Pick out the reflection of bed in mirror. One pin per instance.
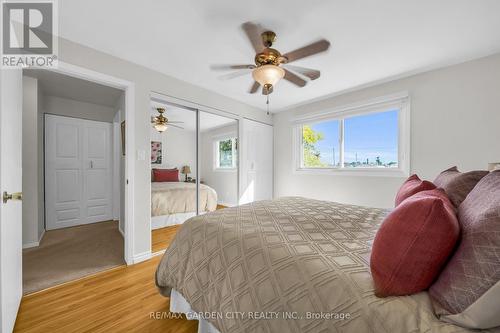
(174, 202)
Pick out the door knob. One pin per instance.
(12, 196)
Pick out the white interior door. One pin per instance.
(63, 172)
(78, 179)
(97, 180)
(11, 89)
(256, 167)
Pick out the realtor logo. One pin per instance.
(29, 36)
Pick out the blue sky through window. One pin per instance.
(369, 140)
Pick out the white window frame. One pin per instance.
(400, 101)
(216, 155)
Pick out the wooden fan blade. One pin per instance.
(309, 50)
(294, 78)
(313, 74)
(267, 91)
(234, 74)
(254, 87)
(253, 31)
(169, 124)
(230, 67)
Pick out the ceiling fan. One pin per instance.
(161, 123)
(272, 66)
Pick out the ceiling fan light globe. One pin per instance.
(160, 127)
(268, 74)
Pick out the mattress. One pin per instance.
(179, 197)
(291, 264)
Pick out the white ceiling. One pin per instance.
(208, 121)
(59, 85)
(371, 40)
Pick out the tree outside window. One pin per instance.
(226, 153)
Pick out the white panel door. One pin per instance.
(256, 168)
(63, 172)
(97, 179)
(77, 171)
(11, 90)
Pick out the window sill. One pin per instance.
(365, 172)
(225, 169)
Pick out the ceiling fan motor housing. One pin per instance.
(268, 56)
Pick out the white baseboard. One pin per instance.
(159, 253)
(34, 244)
(41, 236)
(30, 245)
(141, 257)
(120, 230)
(226, 204)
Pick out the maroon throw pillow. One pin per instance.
(458, 184)
(165, 175)
(467, 292)
(412, 186)
(413, 243)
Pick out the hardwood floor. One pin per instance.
(119, 300)
(161, 238)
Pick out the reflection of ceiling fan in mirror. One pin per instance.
(272, 66)
(161, 123)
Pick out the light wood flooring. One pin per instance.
(119, 300)
(161, 238)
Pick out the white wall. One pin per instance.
(178, 148)
(224, 182)
(32, 213)
(455, 121)
(71, 108)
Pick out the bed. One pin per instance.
(290, 264)
(175, 202)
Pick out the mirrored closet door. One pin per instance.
(203, 161)
(218, 163)
(173, 170)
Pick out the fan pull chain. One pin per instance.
(267, 103)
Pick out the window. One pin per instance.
(320, 144)
(226, 151)
(372, 138)
(371, 141)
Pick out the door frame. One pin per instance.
(128, 88)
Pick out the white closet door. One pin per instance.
(77, 171)
(256, 168)
(97, 180)
(63, 172)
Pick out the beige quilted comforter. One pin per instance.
(255, 265)
(179, 197)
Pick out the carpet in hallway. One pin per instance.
(71, 253)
